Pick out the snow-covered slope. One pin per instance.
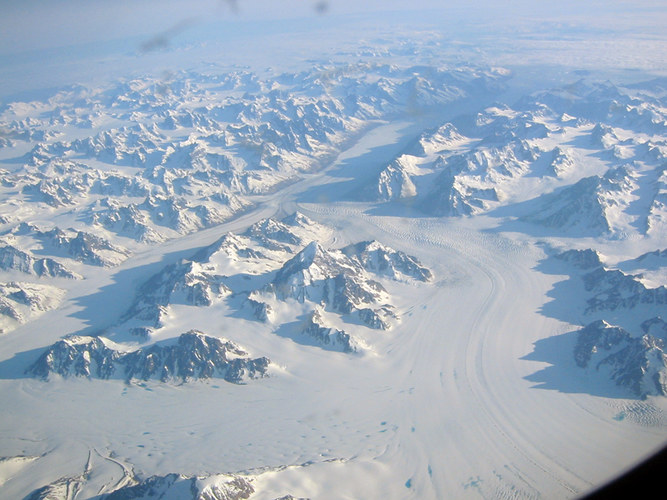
(151, 165)
(14, 259)
(631, 355)
(582, 160)
(638, 363)
(589, 207)
(438, 294)
(20, 302)
(270, 268)
(194, 356)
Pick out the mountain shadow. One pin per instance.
(563, 374)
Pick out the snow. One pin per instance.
(231, 179)
(458, 352)
(10, 466)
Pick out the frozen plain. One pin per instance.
(442, 405)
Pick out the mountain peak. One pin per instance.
(308, 255)
(194, 355)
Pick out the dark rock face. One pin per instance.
(13, 259)
(216, 487)
(378, 319)
(77, 356)
(261, 310)
(148, 488)
(327, 337)
(377, 258)
(637, 363)
(222, 487)
(583, 259)
(345, 294)
(194, 356)
(176, 283)
(614, 289)
(595, 337)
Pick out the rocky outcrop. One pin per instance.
(586, 207)
(329, 277)
(385, 261)
(21, 302)
(193, 356)
(181, 283)
(13, 259)
(215, 487)
(637, 363)
(583, 259)
(327, 337)
(613, 289)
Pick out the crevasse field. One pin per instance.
(274, 250)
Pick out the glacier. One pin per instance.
(332, 255)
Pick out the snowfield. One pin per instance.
(356, 280)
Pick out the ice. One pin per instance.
(376, 206)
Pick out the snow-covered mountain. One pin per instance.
(638, 363)
(612, 289)
(80, 246)
(326, 336)
(213, 487)
(631, 355)
(394, 181)
(268, 267)
(385, 261)
(327, 276)
(587, 207)
(13, 259)
(194, 356)
(397, 249)
(609, 184)
(196, 155)
(21, 302)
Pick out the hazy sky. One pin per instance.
(31, 24)
(53, 42)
